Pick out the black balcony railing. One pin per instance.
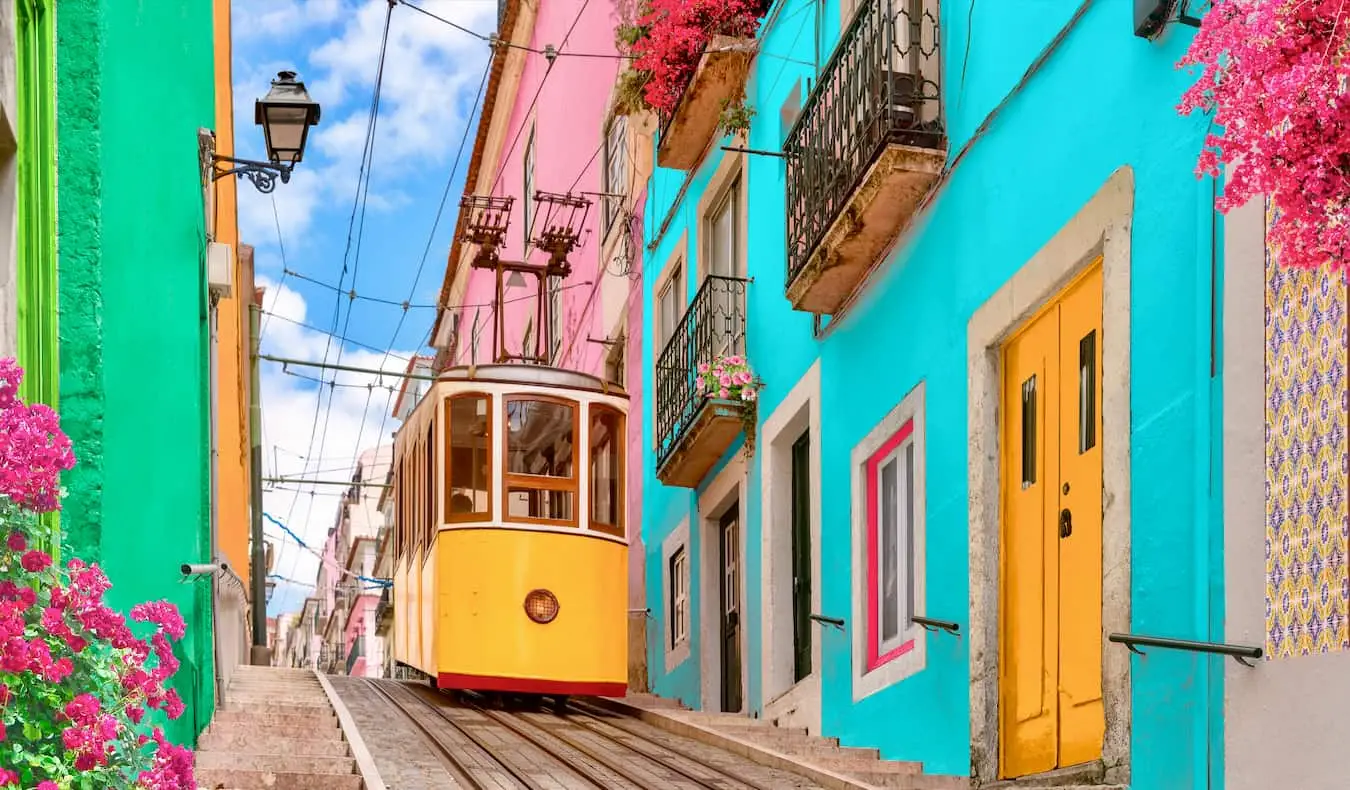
(713, 325)
(358, 650)
(878, 89)
(384, 610)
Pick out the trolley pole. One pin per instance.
(259, 655)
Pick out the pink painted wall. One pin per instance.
(569, 119)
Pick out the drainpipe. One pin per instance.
(258, 568)
(212, 317)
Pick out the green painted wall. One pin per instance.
(134, 84)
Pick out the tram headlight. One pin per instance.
(541, 606)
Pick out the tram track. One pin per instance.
(589, 749)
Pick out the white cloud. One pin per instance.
(357, 422)
(253, 19)
(431, 75)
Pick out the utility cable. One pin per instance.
(367, 155)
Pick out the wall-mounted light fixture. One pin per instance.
(285, 115)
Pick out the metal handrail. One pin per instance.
(1239, 653)
(836, 622)
(930, 624)
(878, 88)
(714, 324)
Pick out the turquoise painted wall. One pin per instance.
(1102, 99)
(134, 83)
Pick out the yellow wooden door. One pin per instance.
(1050, 681)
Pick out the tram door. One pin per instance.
(729, 562)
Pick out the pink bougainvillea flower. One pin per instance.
(1276, 75)
(36, 561)
(16, 541)
(8, 777)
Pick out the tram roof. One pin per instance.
(533, 375)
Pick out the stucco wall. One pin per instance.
(134, 380)
(1051, 148)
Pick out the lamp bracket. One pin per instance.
(263, 174)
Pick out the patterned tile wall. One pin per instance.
(1307, 463)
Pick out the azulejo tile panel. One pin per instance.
(1307, 464)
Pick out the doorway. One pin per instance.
(801, 557)
(729, 605)
(1052, 713)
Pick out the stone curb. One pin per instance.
(365, 763)
(751, 751)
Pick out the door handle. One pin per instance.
(1065, 523)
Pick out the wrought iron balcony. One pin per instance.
(693, 430)
(384, 611)
(869, 144)
(358, 650)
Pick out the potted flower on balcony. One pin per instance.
(691, 61)
(729, 378)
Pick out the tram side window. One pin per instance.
(429, 509)
(607, 437)
(468, 452)
(540, 479)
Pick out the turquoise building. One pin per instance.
(964, 250)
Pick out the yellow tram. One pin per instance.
(511, 569)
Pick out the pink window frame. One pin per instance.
(874, 658)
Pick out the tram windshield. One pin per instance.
(541, 460)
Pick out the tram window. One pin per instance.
(607, 437)
(468, 452)
(430, 511)
(528, 503)
(540, 478)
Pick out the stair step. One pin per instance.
(913, 781)
(235, 779)
(276, 708)
(252, 741)
(289, 723)
(853, 765)
(277, 763)
(249, 726)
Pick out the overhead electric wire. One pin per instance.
(501, 166)
(367, 155)
(319, 331)
(426, 253)
(504, 42)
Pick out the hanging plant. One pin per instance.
(736, 116)
(1276, 75)
(76, 684)
(729, 378)
(667, 38)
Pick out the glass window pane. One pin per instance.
(890, 600)
(533, 503)
(468, 481)
(607, 435)
(909, 536)
(539, 438)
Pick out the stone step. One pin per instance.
(913, 781)
(853, 765)
(251, 669)
(288, 724)
(277, 708)
(277, 763)
(251, 698)
(253, 741)
(235, 779)
(269, 685)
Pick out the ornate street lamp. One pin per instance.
(285, 115)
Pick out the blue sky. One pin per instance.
(431, 77)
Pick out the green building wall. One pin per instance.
(134, 84)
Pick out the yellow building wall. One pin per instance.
(231, 328)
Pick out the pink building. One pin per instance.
(553, 130)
